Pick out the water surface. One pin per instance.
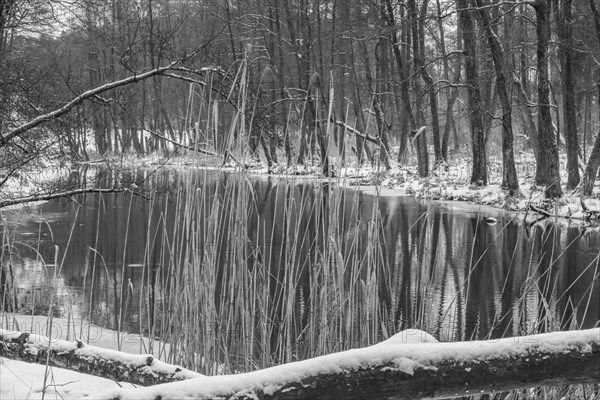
(254, 271)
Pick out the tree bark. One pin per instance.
(547, 171)
(122, 367)
(400, 370)
(389, 17)
(566, 53)
(591, 169)
(381, 63)
(80, 99)
(509, 172)
(451, 93)
(52, 196)
(479, 171)
(431, 90)
(527, 116)
(421, 139)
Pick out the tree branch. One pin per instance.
(31, 199)
(85, 96)
(400, 370)
(141, 369)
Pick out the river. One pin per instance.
(246, 272)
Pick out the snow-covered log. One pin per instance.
(77, 356)
(399, 368)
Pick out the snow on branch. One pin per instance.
(399, 368)
(87, 95)
(122, 367)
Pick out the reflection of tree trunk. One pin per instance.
(404, 310)
(546, 245)
(450, 238)
(510, 259)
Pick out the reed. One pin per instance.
(240, 275)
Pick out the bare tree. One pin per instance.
(509, 172)
(547, 163)
(479, 172)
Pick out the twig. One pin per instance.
(540, 211)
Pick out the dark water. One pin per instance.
(208, 248)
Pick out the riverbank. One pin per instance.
(448, 185)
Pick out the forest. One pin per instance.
(195, 193)
(419, 83)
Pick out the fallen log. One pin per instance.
(52, 196)
(395, 370)
(141, 369)
(196, 149)
(350, 130)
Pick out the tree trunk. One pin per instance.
(565, 51)
(591, 169)
(431, 90)
(421, 139)
(479, 172)
(509, 172)
(361, 144)
(548, 163)
(451, 93)
(388, 15)
(141, 369)
(400, 368)
(381, 63)
(527, 115)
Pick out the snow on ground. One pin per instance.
(20, 380)
(69, 329)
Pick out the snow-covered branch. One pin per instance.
(84, 96)
(399, 368)
(77, 356)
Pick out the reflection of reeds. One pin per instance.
(246, 284)
(259, 274)
(239, 274)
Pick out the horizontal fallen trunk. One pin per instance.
(77, 356)
(351, 130)
(395, 370)
(52, 196)
(196, 149)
